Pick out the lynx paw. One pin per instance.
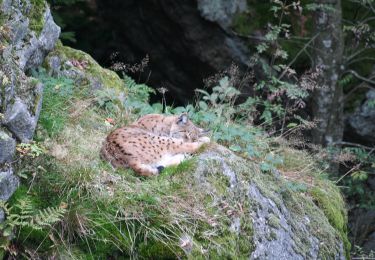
(204, 139)
(160, 169)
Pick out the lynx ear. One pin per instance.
(182, 119)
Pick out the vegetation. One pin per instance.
(36, 15)
(291, 45)
(72, 204)
(81, 207)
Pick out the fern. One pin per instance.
(48, 216)
(24, 214)
(140, 92)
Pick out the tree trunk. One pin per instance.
(327, 101)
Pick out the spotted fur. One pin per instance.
(152, 143)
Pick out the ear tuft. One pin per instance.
(182, 119)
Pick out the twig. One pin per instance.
(348, 172)
(362, 85)
(360, 77)
(297, 55)
(355, 167)
(354, 144)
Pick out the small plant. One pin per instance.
(24, 214)
(32, 149)
(360, 162)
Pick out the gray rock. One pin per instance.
(19, 121)
(7, 147)
(361, 222)
(22, 96)
(278, 231)
(370, 243)
(8, 183)
(32, 52)
(2, 215)
(362, 121)
(54, 65)
(221, 11)
(39, 47)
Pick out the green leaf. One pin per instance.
(292, 125)
(7, 231)
(202, 105)
(235, 148)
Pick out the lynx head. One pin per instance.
(182, 127)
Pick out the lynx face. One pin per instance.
(172, 126)
(152, 143)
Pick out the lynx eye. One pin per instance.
(182, 119)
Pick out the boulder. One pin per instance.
(221, 11)
(285, 225)
(79, 66)
(362, 121)
(8, 183)
(8, 147)
(361, 222)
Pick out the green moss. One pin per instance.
(38, 96)
(273, 221)
(329, 199)
(159, 250)
(36, 15)
(241, 24)
(109, 78)
(184, 166)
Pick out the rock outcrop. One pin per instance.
(361, 123)
(215, 205)
(27, 34)
(286, 225)
(221, 11)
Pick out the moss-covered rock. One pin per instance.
(81, 67)
(216, 205)
(36, 15)
(27, 33)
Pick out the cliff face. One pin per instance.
(215, 205)
(27, 34)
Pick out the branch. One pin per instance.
(355, 54)
(355, 167)
(360, 59)
(372, 7)
(297, 55)
(369, 81)
(362, 85)
(355, 145)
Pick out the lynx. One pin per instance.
(152, 143)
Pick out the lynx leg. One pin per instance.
(204, 139)
(189, 147)
(143, 169)
(170, 160)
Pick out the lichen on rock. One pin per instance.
(285, 223)
(27, 34)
